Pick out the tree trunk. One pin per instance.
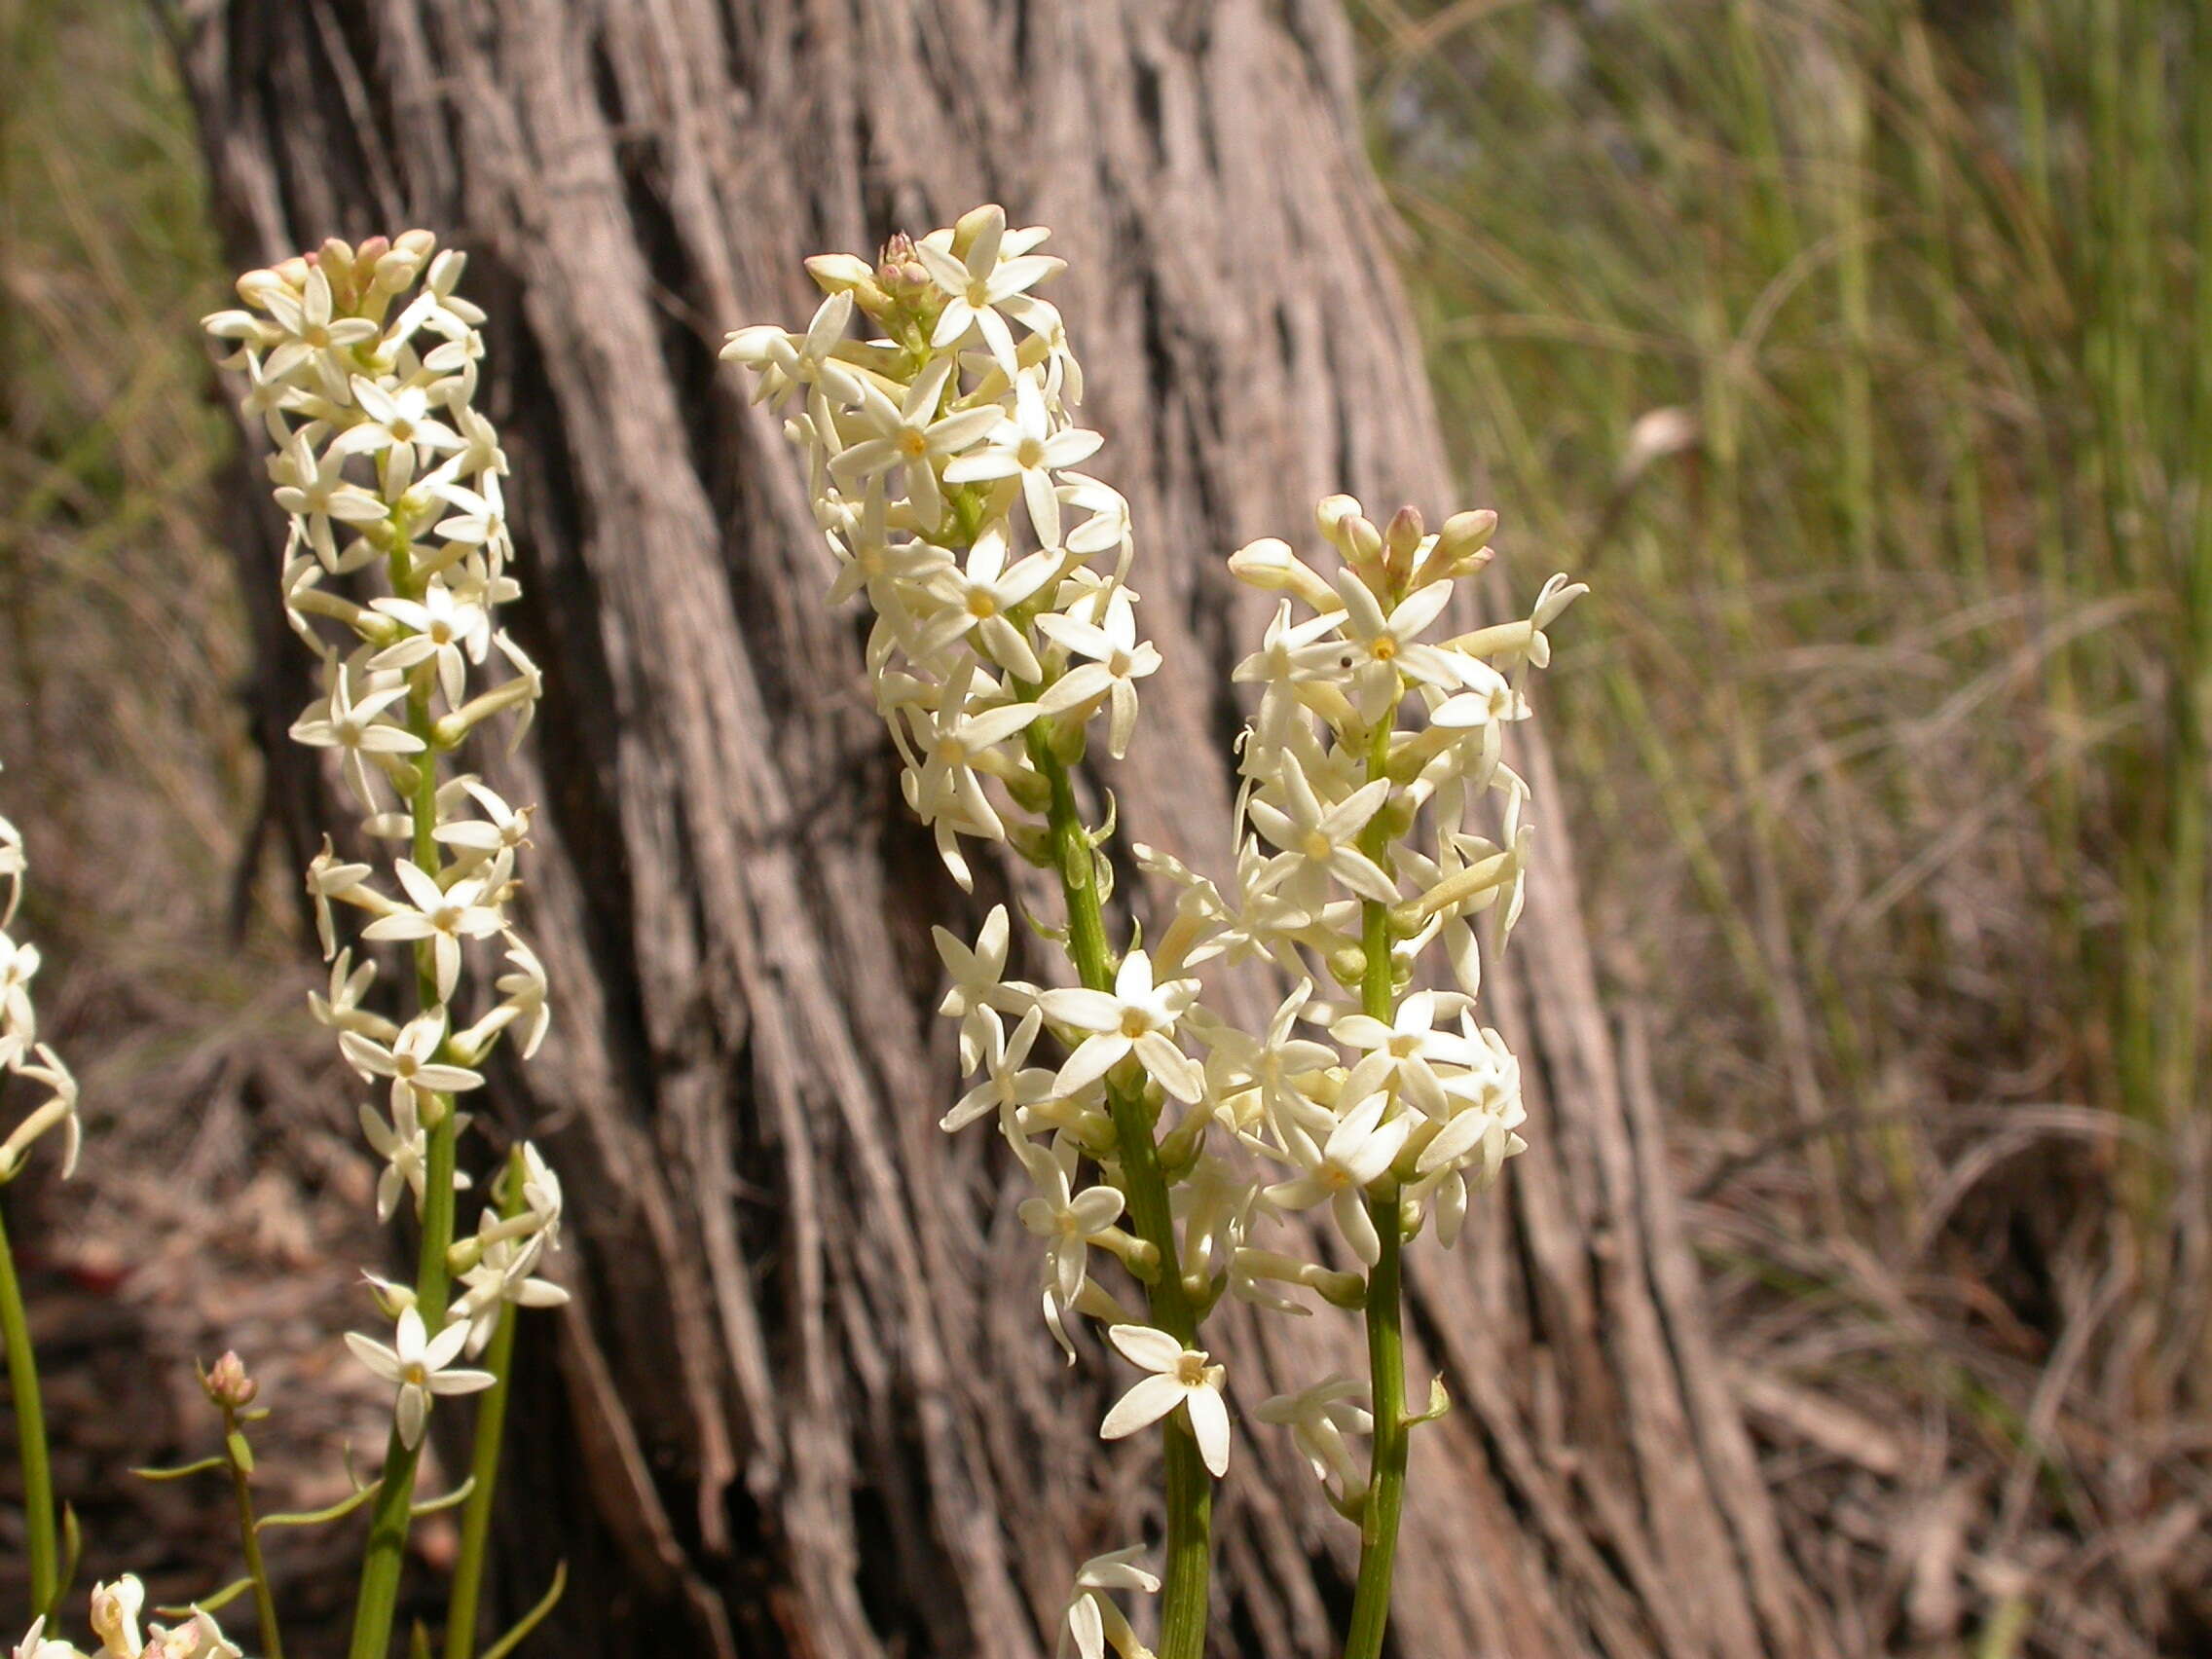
(802, 1405)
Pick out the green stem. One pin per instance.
(1386, 1481)
(381, 1564)
(484, 1462)
(250, 1535)
(373, 1610)
(1385, 1339)
(30, 1433)
(1190, 1487)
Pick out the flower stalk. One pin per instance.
(942, 456)
(362, 363)
(484, 1465)
(1184, 1593)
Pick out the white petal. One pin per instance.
(1209, 1425)
(1147, 1346)
(1152, 1399)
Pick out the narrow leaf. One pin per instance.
(182, 1471)
(316, 1516)
(531, 1620)
(215, 1603)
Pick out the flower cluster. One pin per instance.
(21, 1054)
(115, 1613)
(1377, 815)
(939, 454)
(362, 362)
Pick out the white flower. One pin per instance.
(1318, 1418)
(912, 436)
(1135, 1017)
(1180, 1377)
(1358, 1149)
(1027, 448)
(37, 1645)
(503, 827)
(1091, 1621)
(317, 339)
(982, 283)
(978, 981)
(199, 1638)
(1379, 647)
(1062, 1217)
(526, 990)
(18, 1019)
(314, 489)
(1119, 660)
(1316, 840)
(329, 877)
(411, 1060)
(791, 360)
(502, 1275)
(394, 417)
(444, 916)
(59, 1107)
(1403, 1053)
(977, 597)
(1008, 1085)
(114, 1616)
(341, 721)
(453, 632)
(419, 1365)
(406, 1151)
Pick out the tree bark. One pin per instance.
(801, 1404)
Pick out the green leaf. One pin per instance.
(531, 1620)
(215, 1603)
(182, 1471)
(316, 1516)
(453, 1500)
(72, 1555)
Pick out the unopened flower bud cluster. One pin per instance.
(1377, 815)
(21, 1054)
(362, 362)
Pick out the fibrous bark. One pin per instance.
(801, 1404)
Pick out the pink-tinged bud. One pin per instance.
(228, 1384)
(1401, 543)
(1403, 534)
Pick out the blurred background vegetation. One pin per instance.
(1861, 357)
(221, 1193)
(1856, 354)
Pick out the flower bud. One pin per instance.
(1464, 543)
(1270, 565)
(1401, 542)
(227, 1383)
(1330, 513)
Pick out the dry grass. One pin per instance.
(1843, 349)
